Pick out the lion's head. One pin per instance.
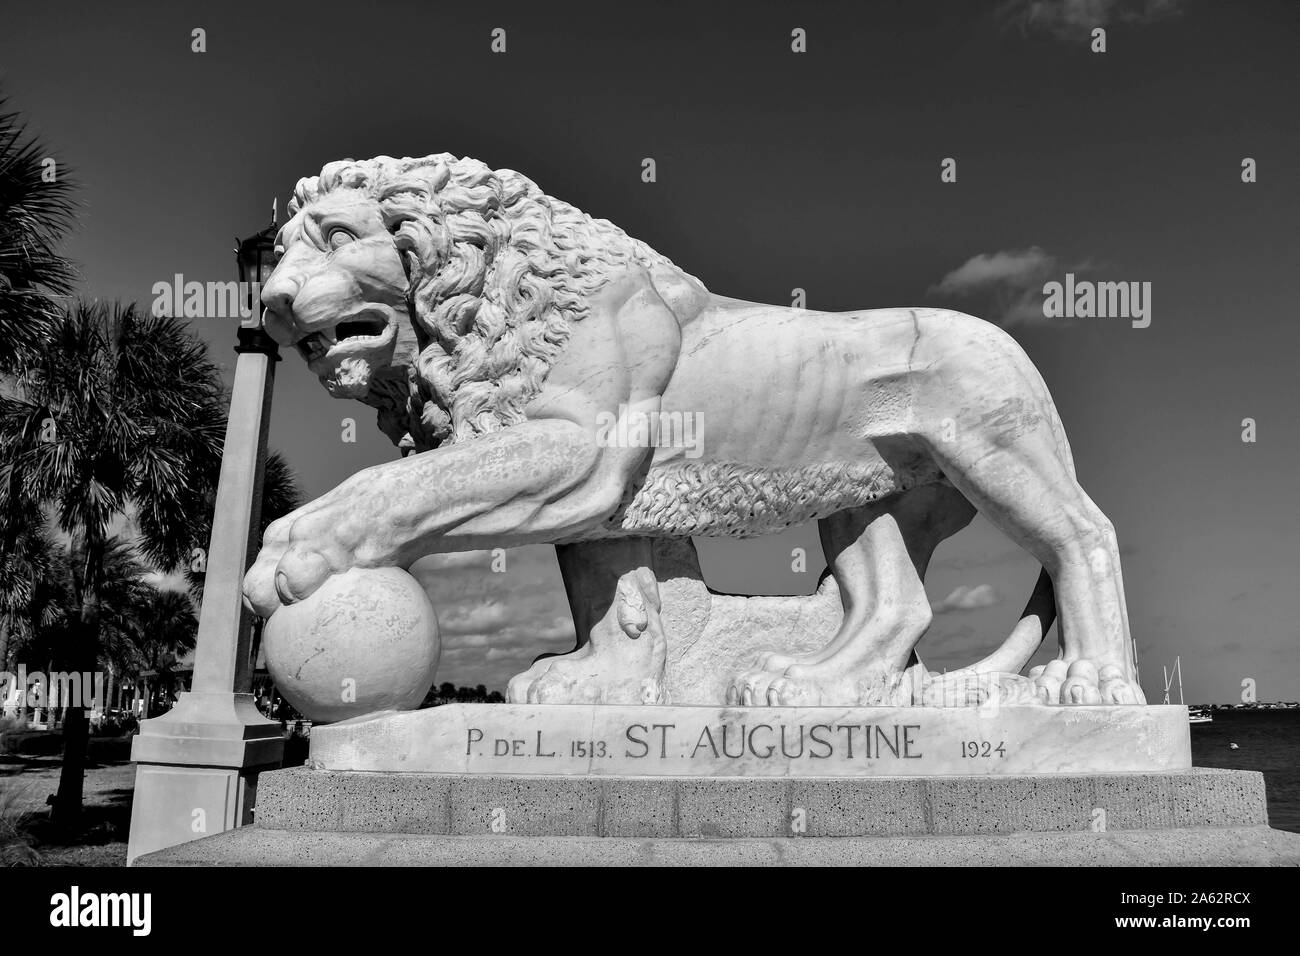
(439, 290)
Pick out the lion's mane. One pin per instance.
(499, 271)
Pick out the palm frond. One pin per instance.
(37, 210)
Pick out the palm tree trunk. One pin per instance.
(6, 689)
(53, 698)
(4, 664)
(51, 690)
(22, 692)
(82, 659)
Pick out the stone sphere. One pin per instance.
(366, 640)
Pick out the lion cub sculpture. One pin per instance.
(500, 332)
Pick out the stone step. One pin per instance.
(1210, 846)
(303, 799)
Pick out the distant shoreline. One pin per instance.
(1273, 705)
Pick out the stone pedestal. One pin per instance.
(607, 785)
(853, 742)
(324, 818)
(308, 800)
(197, 769)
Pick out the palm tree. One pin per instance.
(118, 411)
(29, 595)
(42, 623)
(36, 211)
(125, 594)
(165, 630)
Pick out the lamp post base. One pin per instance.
(197, 769)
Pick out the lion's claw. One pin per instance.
(299, 553)
(812, 684)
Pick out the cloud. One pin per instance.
(1009, 282)
(1013, 268)
(1066, 18)
(1007, 286)
(965, 598)
(494, 623)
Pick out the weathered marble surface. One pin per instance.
(707, 638)
(366, 641)
(306, 800)
(614, 740)
(714, 637)
(560, 382)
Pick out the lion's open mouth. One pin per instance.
(359, 328)
(359, 333)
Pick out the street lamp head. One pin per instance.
(256, 258)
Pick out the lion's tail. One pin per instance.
(1027, 636)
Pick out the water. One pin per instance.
(1269, 741)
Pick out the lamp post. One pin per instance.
(221, 656)
(197, 765)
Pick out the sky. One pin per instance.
(778, 171)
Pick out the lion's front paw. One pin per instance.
(299, 553)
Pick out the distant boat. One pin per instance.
(1195, 715)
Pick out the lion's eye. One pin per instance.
(339, 237)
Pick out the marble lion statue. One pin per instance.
(509, 341)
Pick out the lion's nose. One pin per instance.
(277, 297)
(278, 294)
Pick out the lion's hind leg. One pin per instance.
(878, 554)
(1020, 478)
